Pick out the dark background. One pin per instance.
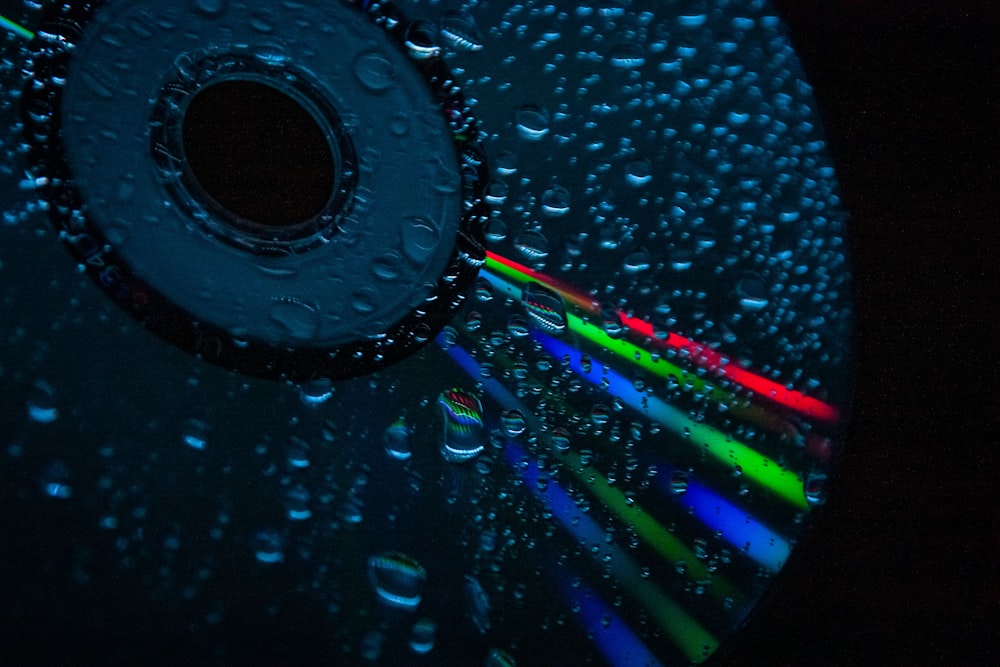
(895, 573)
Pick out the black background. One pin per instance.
(895, 573)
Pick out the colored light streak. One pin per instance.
(15, 28)
(619, 645)
(690, 637)
(699, 354)
(754, 465)
(661, 368)
(665, 543)
(737, 527)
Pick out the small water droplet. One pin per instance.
(375, 71)
(638, 172)
(420, 238)
(422, 636)
(513, 422)
(194, 433)
(210, 8)
(459, 31)
(532, 122)
(396, 440)
(627, 56)
(54, 481)
(268, 546)
(532, 244)
(316, 392)
(364, 300)
(555, 201)
(41, 403)
(296, 317)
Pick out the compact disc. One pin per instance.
(410, 333)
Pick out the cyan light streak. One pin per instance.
(754, 465)
(15, 28)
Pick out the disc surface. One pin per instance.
(602, 443)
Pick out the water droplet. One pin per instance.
(496, 230)
(478, 604)
(496, 192)
(627, 56)
(364, 300)
(420, 238)
(752, 292)
(396, 440)
(532, 244)
(638, 172)
(297, 503)
(194, 433)
(815, 489)
(498, 658)
(555, 201)
(54, 481)
(298, 453)
(41, 403)
(506, 163)
(268, 546)
(422, 636)
(459, 31)
(421, 40)
(532, 122)
(637, 262)
(317, 391)
(399, 124)
(211, 8)
(463, 425)
(679, 482)
(375, 71)
(296, 317)
(398, 579)
(545, 308)
(263, 20)
(513, 422)
(560, 439)
(388, 265)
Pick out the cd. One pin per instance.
(410, 333)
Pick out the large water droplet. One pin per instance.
(545, 308)
(398, 579)
(463, 425)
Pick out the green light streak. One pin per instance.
(649, 529)
(645, 360)
(18, 30)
